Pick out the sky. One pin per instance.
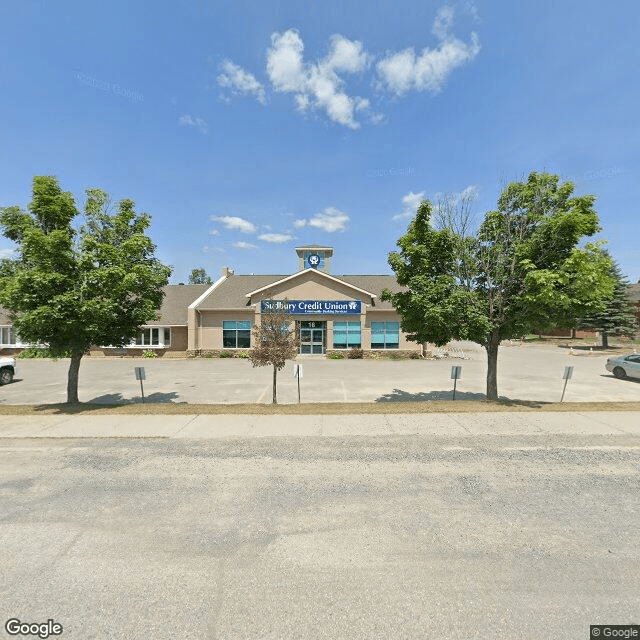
(247, 129)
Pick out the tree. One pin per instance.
(199, 276)
(522, 270)
(274, 339)
(617, 318)
(72, 289)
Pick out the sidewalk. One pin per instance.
(242, 426)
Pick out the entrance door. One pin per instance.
(312, 337)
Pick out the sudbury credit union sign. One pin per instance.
(330, 307)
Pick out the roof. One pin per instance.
(314, 271)
(177, 298)
(232, 293)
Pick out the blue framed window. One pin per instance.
(385, 335)
(346, 335)
(236, 334)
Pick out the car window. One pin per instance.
(634, 358)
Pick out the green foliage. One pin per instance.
(617, 317)
(524, 269)
(336, 356)
(355, 353)
(148, 353)
(40, 352)
(209, 356)
(242, 354)
(226, 354)
(72, 288)
(199, 276)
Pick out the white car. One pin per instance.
(7, 370)
(624, 366)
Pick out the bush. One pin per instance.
(355, 353)
(209, 355)
(40, 352)
(242, 354)
(336, 356)
(149, 354)
(226, 354)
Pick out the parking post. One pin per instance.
(140, 376)
(456, 372)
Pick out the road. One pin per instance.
(413, 536)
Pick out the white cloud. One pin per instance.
(404, 71)
(189, 121)
(244, 245)
(214, 232)
(233, 222)
(329, 220)
(7, 253)
(410, 204)
(240, 81)
(318, 85)
(275, 238)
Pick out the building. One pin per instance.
(330, 312)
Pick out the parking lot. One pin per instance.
(529, 372)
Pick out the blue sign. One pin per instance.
(329, 307)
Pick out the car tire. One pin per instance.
(6, 376)
(619, 373)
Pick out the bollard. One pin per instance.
(590, 351)
(571, 351)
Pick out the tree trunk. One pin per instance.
(492, 367)
(605, 340)
(275, 373)
(72, 380)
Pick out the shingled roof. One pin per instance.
(177, 298)
(231, 293)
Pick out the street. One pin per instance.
(412, 536)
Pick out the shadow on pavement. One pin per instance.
(398, 395)
(610, 375)
(117, 398)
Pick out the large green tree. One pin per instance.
(617, 317)
(199, 276)
(70, 289)
(523, 269)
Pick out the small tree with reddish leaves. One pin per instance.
(275, 340)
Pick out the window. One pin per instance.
(154, 337)
(236, 334)
(7, 336)
(385, 335)
(148, 337)
(346, 335)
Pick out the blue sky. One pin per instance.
(246, 129)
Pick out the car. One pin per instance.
(624, 366)
(7, 370)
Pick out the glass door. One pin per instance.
(312, 337)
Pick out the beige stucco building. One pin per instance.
(330, 312)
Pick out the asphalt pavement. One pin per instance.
(451, 536)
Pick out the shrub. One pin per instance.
(355, 353)
(242, 354)
(209, 355)
(336, 356)
(226, 354)
(40, 352)
(149, 354)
